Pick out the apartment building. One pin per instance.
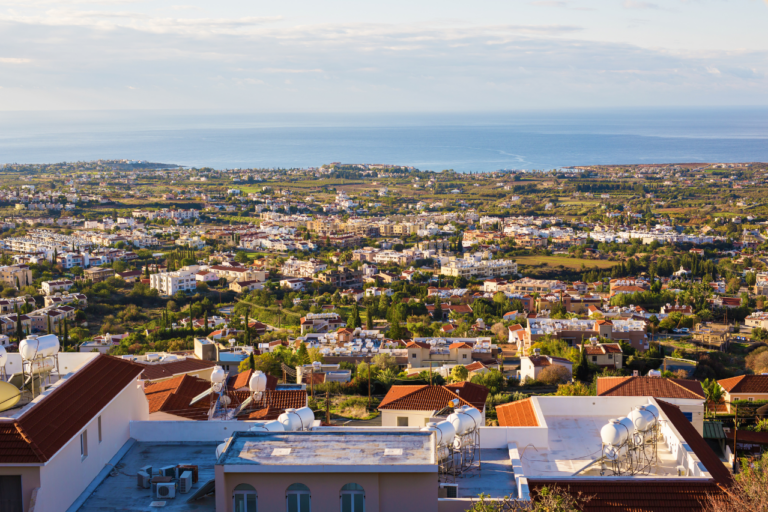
(168, 283)
(575, 332)
(342, 278)
(233, 273)
(604, 355)
(16, 276)
(528, 285)
(473, 269)
(53, 287)
(298, 268)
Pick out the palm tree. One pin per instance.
(713, 393)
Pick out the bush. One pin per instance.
(555, 374)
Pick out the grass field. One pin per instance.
(554, 261)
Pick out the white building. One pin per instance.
(168, 283)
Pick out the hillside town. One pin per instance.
(339, 337)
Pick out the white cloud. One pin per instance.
(638, 4)
(14, 60)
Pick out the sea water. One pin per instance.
(464, 142)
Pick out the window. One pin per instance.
(402, 421)
(352, 498)
(750, 399)
(297, 498)
(99, 429)
(84, 445)
(594, 358)
(244, 498)
(413, 356)
(463, 356)
(610, 356)
(10, 493)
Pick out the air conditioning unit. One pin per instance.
(448, 491)
(147, 470)
(166, 490)
(168, 471)
(142, 479)
(185, 482)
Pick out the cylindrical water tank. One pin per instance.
(170, 357)
(218, 375)
(474, 414)
(614, 452)
(654, 411)
(654, 373)
(462, 421)
(220, 449)
(269, 426)
(3, 356)
(627, 424)
(290, 420)
(39, 365)
(258, 382)
(613, 433)
(307, 416)
(35, 346)
(642, 419)
(447, 432)
(152, 356)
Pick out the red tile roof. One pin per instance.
(639, 496)
(685, 428)
(420, 344)
(747, 436)
(517, 414)
(745, 384)
(656, 387)
(459, 345)
(164, 370)
(43, 430)
(475, 394)
(422, 398)
(473, 367)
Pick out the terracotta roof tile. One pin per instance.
(43, 430)
(420, 398)
(459, 345)
(477, 365)
(517, 414)
(639, 496)
(171, 369)
(747, 436)
(745, 384)
(656, 387)
(475, 394)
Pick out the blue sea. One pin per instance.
(464, 142)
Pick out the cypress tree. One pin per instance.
(49, 324)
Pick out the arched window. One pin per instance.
(244, 498)
(352, 498)
(297, 498)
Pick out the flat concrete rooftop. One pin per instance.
(411, 451)
(493, 476)
(574, 441)
(121, 492)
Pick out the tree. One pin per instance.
(354, 321)
(302, 355)
(555, 374)
(459, 373)
(369, 318)
(582, 369)
(385, 362)
(574, 388)
(546, 499)
(749, 491)
(241, 257)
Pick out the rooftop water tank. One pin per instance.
(290, 420)
(614, 433)
(3, 356)
(42, 346)
(307, 416)
(642, 419)
(258, 382)
(218, 375)
(269, 426)
(476, 416)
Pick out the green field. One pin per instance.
(554, 261)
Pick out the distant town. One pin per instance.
(376, 337)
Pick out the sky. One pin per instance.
(385, 56)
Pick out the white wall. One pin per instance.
(68, 361)
(66, 476)
(415, 418)
(186, 431)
